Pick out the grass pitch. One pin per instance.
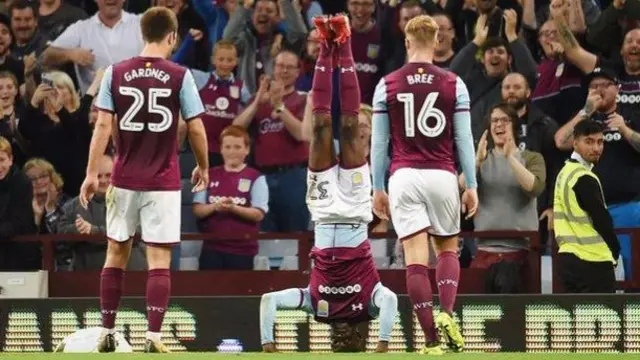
(308, 356)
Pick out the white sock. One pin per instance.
(109, 331)
(153, 336)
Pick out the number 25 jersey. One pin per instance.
(420, 100)
(148, 95)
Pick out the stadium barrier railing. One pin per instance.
(238, 283)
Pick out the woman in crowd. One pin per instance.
(48, 199)
(232, 207)
(509, 182)
(56, 122)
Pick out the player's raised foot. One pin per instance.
(383, 347)
(449, 331)
(341, 27)
(433, 348)
(151, 346)
(269, 348)
(106, 343)
(324, 28)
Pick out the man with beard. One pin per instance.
(622, 143)
(588, 247)
(536, 132)
(484, 77)
(24, 25)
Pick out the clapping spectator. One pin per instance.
(92, 220)
(509, 181)
(16, 215)
(280, 151)
(110, 36)
(497, 55)
(48, 197)
(233, 205)
(252, 27)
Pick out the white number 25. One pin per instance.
(127, 122)
(428, 110)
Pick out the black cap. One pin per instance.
(602, 72)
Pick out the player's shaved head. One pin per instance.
(422, 31)
(157, 24)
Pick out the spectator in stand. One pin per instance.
(56, 123)
(444, 52)
(92, 220)
(535, 132)
(24, 25)
(509, 182)
(216, 15)
(607, 32)
(484, 78)
(397, 56)
(16, 216)
(56, 15)
(309, 61)
(254, 34)
(281, 154)
(232, 207)
(198, 56)
(9, 121)
(109, 36)
(466, 14)
(8, 62)
(582, 13)
(310, 9)
(558, 92)
(621, 125)
(367, 47)
(223, 94)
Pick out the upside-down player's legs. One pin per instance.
(386, 302)
(321, 152)
(352, 150)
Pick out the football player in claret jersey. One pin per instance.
(425, 110)
(144, 98)
(344, 290)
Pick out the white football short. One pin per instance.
(339, 195)
(424, 199)
(156, 212)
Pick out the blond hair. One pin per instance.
(423, 29)
(5, 146)
(60, 78)
(47, 167)
(367, 111)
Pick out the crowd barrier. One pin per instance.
(239, 283)
(531, 323)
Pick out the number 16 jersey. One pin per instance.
(420, 100)
(148, 95)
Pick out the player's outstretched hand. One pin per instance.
(381, 205)
(470, 202)
(269, 348)
(199, 179)
(88, 189)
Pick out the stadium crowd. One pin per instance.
(534, 68)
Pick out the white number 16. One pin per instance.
(428, 110)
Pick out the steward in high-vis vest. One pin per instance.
(583, 228)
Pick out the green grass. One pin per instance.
(308, 356)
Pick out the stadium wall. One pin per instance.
(538, 323)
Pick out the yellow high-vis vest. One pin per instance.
(573, 228)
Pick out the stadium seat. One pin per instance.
(379, 247)
(546, 274)
(261, 263)
(277, 250)
(382, 262)
(289, 263)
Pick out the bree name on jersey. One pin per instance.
(147, 73)
(420, 79)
